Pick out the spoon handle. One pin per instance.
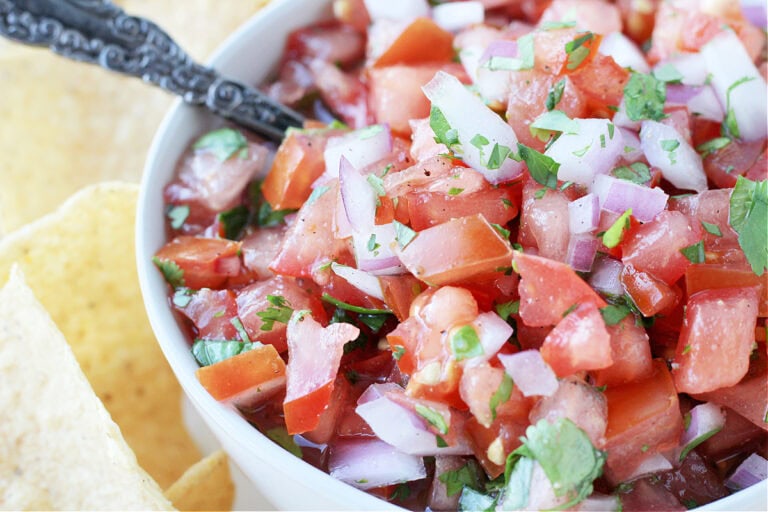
(99, 32)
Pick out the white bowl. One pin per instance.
(249, 55)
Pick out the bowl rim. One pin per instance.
(223, 419)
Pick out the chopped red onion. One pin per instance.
(361, 147)
(499, 48)
(341, 226)
(455, 16)
(681, 94)
(370, 463)
(691, 66)
(754, 469)
(606, 276)
(363, 281)
(532, 375)
(401, 427)
(707, 419)
(584, 214)
(456, 101)
(493, 84)
(755, 12)
(375, 250)
(396, 9)
(618, 196)
(581, 252)
(624, 51)
(357, 197)
(654, 463)
(592, 150)
(666, 149)
(493, 332)
(739, 85)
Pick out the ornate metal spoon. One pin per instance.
(99, 32)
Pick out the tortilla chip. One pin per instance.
(80, 263)
(205, 486)
(67, 124)
(59, 449)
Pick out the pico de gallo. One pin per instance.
(518, 261)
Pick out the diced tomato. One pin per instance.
(260, 248)
(716, 340)
(252, 301)
(246, 378)
(297, 164)
(330, 41)
(457, 250)
(650, 295)
(420, 42)
(396, 95)
(212, 312)
(314, 354)
(309, 241)
(643, 418)
(341, 396)
(206, 262)
(548, 289)
(601, 81)
(400, 292)
(544, 221)
(493, 444)
(478, 385)
(631, 354)
(579, 402)
(429, 209)
(343, 92)
(578, 342)
(655, 247)
(734, 160)
(701, 276)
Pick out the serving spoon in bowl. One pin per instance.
(101, 33)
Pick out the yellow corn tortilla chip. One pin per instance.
(59, 449)
(205, 486)
(67, 124)
(80, 263)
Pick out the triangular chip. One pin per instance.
(205, 486)
(59, 448)
(80, 262)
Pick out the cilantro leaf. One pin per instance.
(317, 192)
(456, 480)
(544, 126)
(730, 125)
(280, 310)
(613, 313)
(644, 97)
(502, 394)
(208, 352)
(465, 343)
(234, 221)
(613, 236)
(712, 146)
(636, 172)
(668, 73)
(355, 309)
(177, 215)
(577, 50)
(507, 308)
(695, 252)
(555, 94)
(518, 486)
(476, 501)
(748, 216)
(223, 143)
(433, 417)
(712, 229)
(182, 297)
(403, 234)
(444, 134)
(172, 273)
(543, 169)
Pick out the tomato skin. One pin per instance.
(631, 354)
(578, 342)
(655, 247)
(420, 42)
(649, 294)
(260, 367)
(717, 322)
(297, 164)
(643, 418)
(212, 311)
(206, 262)
(548, 289)
(456, 250)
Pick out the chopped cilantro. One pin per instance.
(476, 501)
(524, 59)
(377, 184)
(670, 145)
(172, 273)
(499, 153)
(401, 492)
(234, 221)
(543, 169)
(636, 172)
(687, 349)
(712, 229)
(730, 125)
(208, 352)
(518, 473)
(555, 94)
(613, 236)
(695, 252)
(748, 216)
(507, 308)
(456, 480)
(238, 325)
(540, 193)
(374, 322)
(668, 73)
(177, 215)
(505, 233)
(281, 436)
(182, 297)
(372, 244)
(440, 442)
(581, 152)
(398, 351)
(316, 193)
(611, 130)
(479, 141)
(355, 309)
(644, 97)
(712, 146)
(403, 234)
(501, 395)
(454, 191)
(544, 126)
(223, 143)
(444, 134)
(268, 218)
(433, 417)
(465, 343)
(614, 313)
(280, 310)
(697, 441)
(577, 50)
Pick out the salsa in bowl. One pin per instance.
(500, 270)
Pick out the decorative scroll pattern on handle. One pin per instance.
(99, 32)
